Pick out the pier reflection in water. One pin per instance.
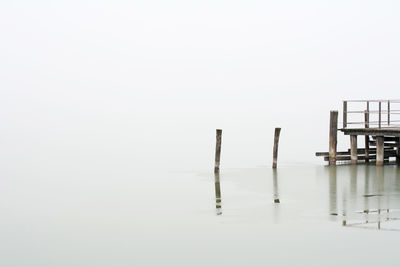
(375, 206)
(355, 196)
(218, 200)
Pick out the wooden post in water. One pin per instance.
(353, 149)
(333, 136)
(218, 150)
(276, 143)
(366, 119)
(379, 150)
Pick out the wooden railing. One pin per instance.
(384, 110)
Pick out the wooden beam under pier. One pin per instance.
(387, 155)
(360, 151)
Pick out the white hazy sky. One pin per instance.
(74, 71)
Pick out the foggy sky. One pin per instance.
(151, 76)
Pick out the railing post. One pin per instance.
(366, 120)
(344, 114)
(388, 111)
(380, 114)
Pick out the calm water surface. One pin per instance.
(326, 216)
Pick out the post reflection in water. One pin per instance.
(276, 197)
(353, 183)
(344, 204)
(332, 191)
(369, 206)
(366, 193)
(379, 191)
(218, 205)
(275, 185)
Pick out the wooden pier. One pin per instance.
(378, 121)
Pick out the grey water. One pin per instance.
(326, 215)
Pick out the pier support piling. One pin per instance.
(333, 136)
(379, 150)
(218, 151)
(353, 149)
(276, 143)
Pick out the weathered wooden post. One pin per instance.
(333, 136)
(353, 149)
(276, 143)
(218, 150)
(366, 120)
(380, 141)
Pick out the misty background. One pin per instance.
(130, 84)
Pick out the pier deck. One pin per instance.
(386, 131)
